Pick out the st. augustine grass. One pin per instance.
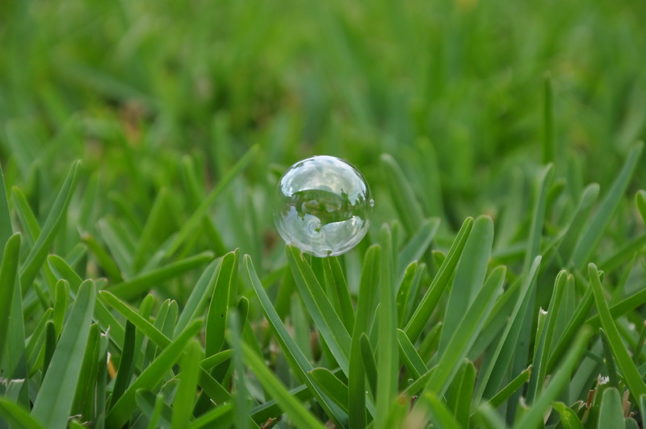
(503, 280)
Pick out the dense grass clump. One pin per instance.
(502, 282)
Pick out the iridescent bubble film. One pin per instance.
(324, 204)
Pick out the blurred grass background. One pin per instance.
(455, 90)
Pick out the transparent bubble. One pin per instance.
(324, 204)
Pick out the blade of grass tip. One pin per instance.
(5, 217)
(8, 285)
(403, 197)
(56, 395)
(440, 414)
(611, 411)
(138, 285)
(319, 308)
(409, 355)
(217, 315)
(568, 418)
(298, 414)
(294, 355)
(199, 296)
(151, 376)
(198, 215)
(154, 407)
(627, 367)
(466, 333)
(640, 202)
(516, 383)
(433, 294)
(464, 395)
(387, 358)
(365, 305)
(469, 276)
(17, 416)
(156, 414)
(534, 415)
(63, 270)
(61, 294)
(187, 388)
(408, 288)
(38, 252)
(595, 228)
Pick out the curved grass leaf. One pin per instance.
(17, 416)
(141, 284)
(38, 252)
(293, 408)
(626, 366)
(299, 363)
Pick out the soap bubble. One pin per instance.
(324, 204)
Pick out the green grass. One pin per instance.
(503, 279)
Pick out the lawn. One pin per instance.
(144, 284)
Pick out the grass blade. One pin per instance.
(469, 276)
(188, 378)
(458, 346)
(38, 252)
(217, 315)
(8, 287)
(139, 285)
(299, 416)
(428, 303)
(596, 226)
(17, 416)
(627, 367)
(56, 395)
(611, 410)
